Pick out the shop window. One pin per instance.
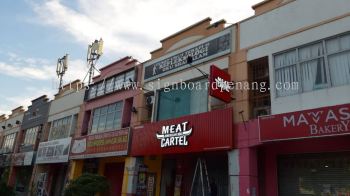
(315, 66)
(115, 83)
(31, 135)
(92, 92)
(129, 77)
(8, 142)
(119, 80)
(259, 97)
(109, 85)
(179, 100)
(74, 125)
(314, 174)
(100, 89)
(107, 118)
(60, 128)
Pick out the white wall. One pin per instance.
(67, 105)
(288, 18)
(308, 100)
(183, 42)
(12, 121)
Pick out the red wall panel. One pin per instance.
(210, 131)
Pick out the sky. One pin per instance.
(35, 33)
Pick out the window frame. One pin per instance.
(61, 124)
(97, 117)
(324, 57)
(155, 109)
(31, 135)
(9, 141)
(121, 76)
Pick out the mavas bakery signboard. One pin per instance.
(113, 143)
(320, 122)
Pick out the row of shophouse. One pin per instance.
(161, 139)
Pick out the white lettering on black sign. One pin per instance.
(174, 135)
(199, 52)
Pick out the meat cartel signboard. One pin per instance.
(208, 131)
(211, 47)
(174, 135)
(320, 122)
(113, 143)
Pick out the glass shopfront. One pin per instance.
(323, 174)
(183, 99)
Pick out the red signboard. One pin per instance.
(113, 143)
(194, 133)
(326, 121)
(220, 82)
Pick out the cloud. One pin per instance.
(40, 68)
(134, 27)
(128, 27)
(40, 73)
(24, 98)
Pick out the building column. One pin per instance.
(11, 177)
(130, 176)
(233, 171)
(243, 172)
(75, 169)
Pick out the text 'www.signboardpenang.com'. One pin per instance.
(200, 51)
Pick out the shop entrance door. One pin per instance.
(168, 177)
(314, 174)
(59, 172)
(114, 173)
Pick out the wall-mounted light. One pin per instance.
(133, 110)
(189, 61)
(18, 122)
(9, 125)
(3, 127)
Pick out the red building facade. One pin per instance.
(102, 143)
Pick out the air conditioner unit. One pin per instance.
(149, 100)
(262, 111)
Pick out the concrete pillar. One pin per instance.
(243, 172)
(233, 170)
(130, 176)
(76, 169)
(12, 176)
